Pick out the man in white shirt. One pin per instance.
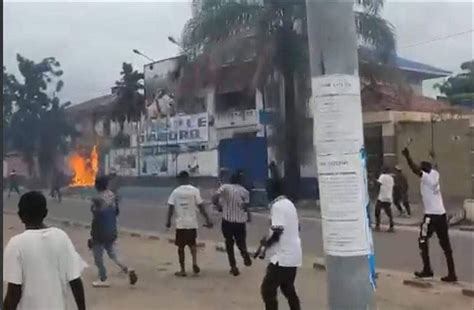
(41, 263)
(185, 200)
(284, 250)
(435, 219)
(384, 200)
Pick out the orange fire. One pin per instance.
(84, 169)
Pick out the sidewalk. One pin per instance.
(155, 263)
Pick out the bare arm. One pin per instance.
(202, 210)
(78, 291)
(170, 215)
(274, 237)
(215, 201)
(249, 214)
(414, 167)
(13, 296)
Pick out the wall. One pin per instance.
(125, 162)
(451, 141)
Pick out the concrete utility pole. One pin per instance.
(339, 143)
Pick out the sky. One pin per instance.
(92, 39)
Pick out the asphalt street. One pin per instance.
(145, 209)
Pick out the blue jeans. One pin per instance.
(98, 252)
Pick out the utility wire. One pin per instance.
(438, 39)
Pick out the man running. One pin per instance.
(435, 219)
(284, 249)
(185, 199)
(41, 264)
(56, 182)
(384, 200)
(233, 201)
(13, 180)
(400, 191)
(104, 233)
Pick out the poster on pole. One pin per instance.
(338, 135)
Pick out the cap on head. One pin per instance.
(384, 169)
(398, 168)
(32, 208)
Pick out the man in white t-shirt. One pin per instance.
(185, 200)
(283, 247)
(41, 263)
(384, 200)
(435, 219)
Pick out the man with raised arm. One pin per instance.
(435, 219)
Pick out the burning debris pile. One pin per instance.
(84, 168)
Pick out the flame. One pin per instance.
(84, 169)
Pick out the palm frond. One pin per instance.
(371, 6)
(218, 22)
(377, 33)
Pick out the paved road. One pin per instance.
(397, 251)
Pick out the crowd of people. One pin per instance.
(45, 256)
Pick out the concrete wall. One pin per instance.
(451, 142)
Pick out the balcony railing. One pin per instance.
(236, 119)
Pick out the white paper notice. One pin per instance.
(338, 136)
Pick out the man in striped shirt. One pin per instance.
(233, 200)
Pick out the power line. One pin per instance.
(439, 38)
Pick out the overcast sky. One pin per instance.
(92, 39)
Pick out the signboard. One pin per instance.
(160, 83)
(338, 134)
(181, 129)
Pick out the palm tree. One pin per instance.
(130, 103)
(277, 26)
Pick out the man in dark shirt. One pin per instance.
(400, 191)
(13, 180)
(104, 232)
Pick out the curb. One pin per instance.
(468, 292)
(418, 283)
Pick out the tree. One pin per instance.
(281, 23)
(9, 101)
(460, 88)
(130, 103)
(37, 125)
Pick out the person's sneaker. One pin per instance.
(100, 283)
(391, 230)
(234, 271)
(423, 274)
(180, 274)
(450, 278)
(247, 260)
(132, 277)
(196, 269)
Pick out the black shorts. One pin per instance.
(185, 237)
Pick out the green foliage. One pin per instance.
(130, 103)
(460, 88)
(36, 122)
(220, 19)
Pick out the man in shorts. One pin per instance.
(41, 264)
(185, 200)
